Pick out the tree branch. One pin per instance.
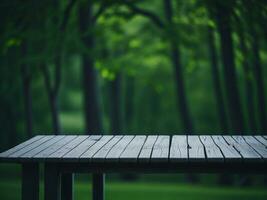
(66, 15)
(100, 11)
(152, 16)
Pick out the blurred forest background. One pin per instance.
(132, 66)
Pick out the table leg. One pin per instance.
(98, 186)
(67, 186)
(30, 181)
(51, 182)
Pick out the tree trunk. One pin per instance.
(91, 102)
(53, 100)
(129, 103)
(248, 81)
(26, 83)
(216, 81)
(259, 82)
(176, 61)
(115, 99)
(230, 79)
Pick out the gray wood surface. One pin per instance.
(20, 146)
(261, 139)
(76, 152)
(131, 152)
(102, 153)
(31, 146)
(256, 145)
(47, 152)
(213, 152)
(160, 151)
(229, 152)
(117, 149)
(139, 149)
(67, 148)
(87, 155)
(42, 147)
(147, 148)
(196, 149)
(243, 148)
(179, 150)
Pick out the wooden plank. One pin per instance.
(116, 150)
(147, 148)
(47, 152)
(229, 152)
(102, 153)
(86, 156)
(160, 151)
(130, 154)
(195, 149)
(256, 145)
(179, 150)
(213, 152)
(261, 140)
(31, 146)
(68, 147)
(42, 147)
(76, 152)
(20, 146)
(243, 148)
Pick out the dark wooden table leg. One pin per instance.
(98, 186)
(51, 182)
(67, 186)
(30, 181)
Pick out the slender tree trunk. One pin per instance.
(230, 79)
(52, 93)
(179, 78)
(26, 83)
(115, 111)
(129, 102)
(216, 81)
(248, 81)
(259, 82)
(91, 102)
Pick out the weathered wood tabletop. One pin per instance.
(139, 149)
(65, 155)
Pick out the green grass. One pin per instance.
(10, 190)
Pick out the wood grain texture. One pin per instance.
(42, 147)
(67, 148)
(102, 153)
(47, 152)
(179, 149)
(147, 148)
(229, 152)
(195, 149)
(131, 152)
(87, 155)
(76, 152)
(116, 150)
(213, 152)
(243, 148)
(20, 146)
(261, 139)
(31, 146)
(256, 145)
(160, 151)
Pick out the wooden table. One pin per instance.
(65, 155)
